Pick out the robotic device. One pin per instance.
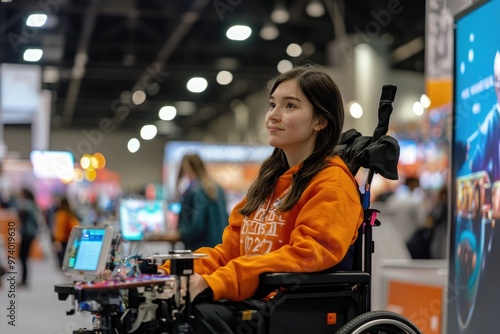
(136, 303)
(133, 296)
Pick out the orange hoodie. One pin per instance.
(314, 235)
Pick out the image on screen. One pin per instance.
(475, 170)
(141, 217)
(87, 250)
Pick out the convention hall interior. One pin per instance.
(99, 100)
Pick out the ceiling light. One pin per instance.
(239, 32)
(133, 145)
(355, 110)
(418, 109)
(148, 132)
(284, 65)
(280, 13)
(36, 20)
(85, 161)
(197, 84)
(425, 101)
(32, 54)
(224, 77)
(294, 50)
(315, 8)
(167, 113)
(269, 31)
(138, 97)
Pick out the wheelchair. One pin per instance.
(331, 301)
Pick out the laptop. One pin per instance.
(87, 253)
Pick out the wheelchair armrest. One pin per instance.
(288, 280)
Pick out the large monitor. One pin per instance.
(52, 164)
(87, 252)
(140, 218)
(475, 172)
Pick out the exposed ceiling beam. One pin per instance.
(81, 57)
(408, 50)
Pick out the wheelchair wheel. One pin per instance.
(379, 322)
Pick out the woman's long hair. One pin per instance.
(324, 95)
(194, 162)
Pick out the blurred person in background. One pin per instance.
(203, 214)
(64, 221)
(30, 220)
(50, 214)
(407, 208)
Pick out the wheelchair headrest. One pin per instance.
(381, 156)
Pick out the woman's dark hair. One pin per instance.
(319, 88)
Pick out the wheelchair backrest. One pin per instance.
(378, 154)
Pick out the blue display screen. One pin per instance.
(87, 250)
(475, 172)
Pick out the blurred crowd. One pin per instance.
(32, 221)
(420, 217)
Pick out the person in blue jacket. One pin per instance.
(203, 214)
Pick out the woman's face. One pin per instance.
(291, 123)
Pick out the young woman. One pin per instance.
(302, 212)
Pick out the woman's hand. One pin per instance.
(196, 285)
